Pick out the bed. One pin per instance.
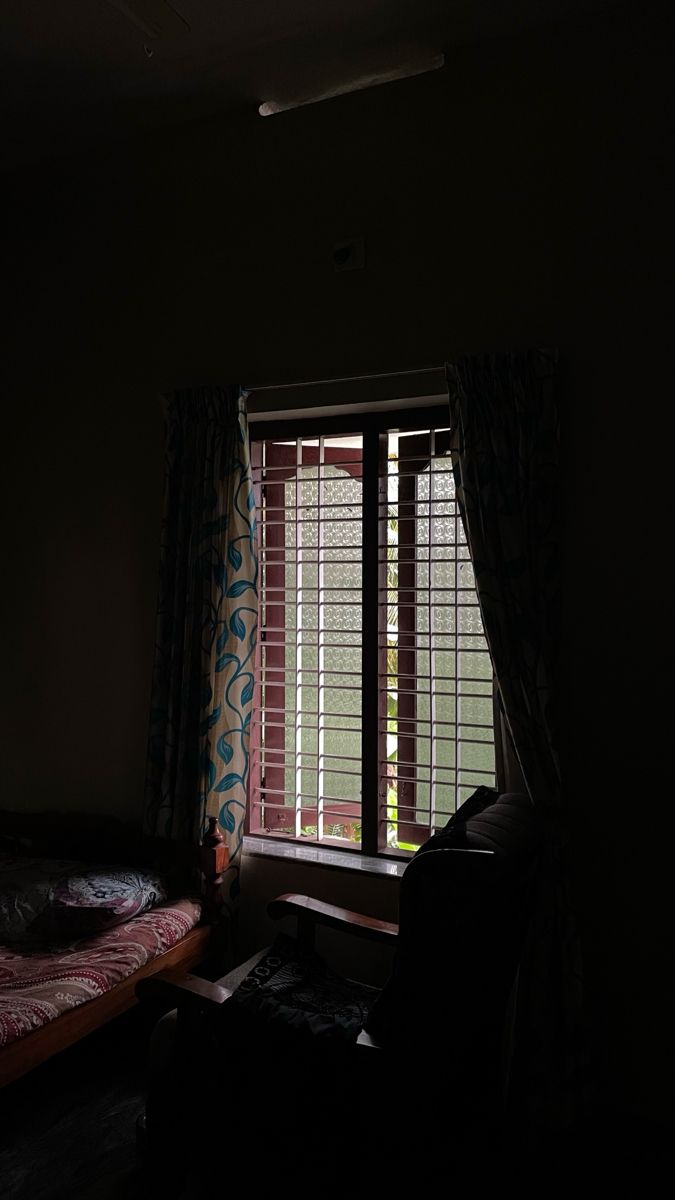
(76, 937)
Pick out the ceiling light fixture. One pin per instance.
(404, 71)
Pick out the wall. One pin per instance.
(264, 879)
(516, 198)
(81, 503)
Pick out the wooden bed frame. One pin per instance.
(211, 859)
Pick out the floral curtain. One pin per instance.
(202, 693)
(505, 451)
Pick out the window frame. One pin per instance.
(374, 428)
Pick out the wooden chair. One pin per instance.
(435, 1034)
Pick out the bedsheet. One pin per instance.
(35, 988)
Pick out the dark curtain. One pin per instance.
(202, 693)
(505, 450)
(505, 453)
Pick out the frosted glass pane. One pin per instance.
(476, 711)
(472, 642)
(470, 620)
(478, 758)
(341, 701)
(442, 619)
(341, 787)
(446, 754)
(475, 665)
(445, 710)
(337, 658)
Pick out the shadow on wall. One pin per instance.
(264, 878)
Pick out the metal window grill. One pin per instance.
(435, 740)
(307, 751)
(436, 723)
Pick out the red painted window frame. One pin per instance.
(374, 427)
(284, 465)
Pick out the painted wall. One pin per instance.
(264, 879)
(516, 198)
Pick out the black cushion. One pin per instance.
(507, 825)
(291, 991)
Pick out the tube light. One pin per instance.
(405, 71)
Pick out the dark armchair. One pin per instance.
(315, 1059)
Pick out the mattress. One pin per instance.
(38, 987)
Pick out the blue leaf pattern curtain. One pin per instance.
(505, 454)
(202, 695)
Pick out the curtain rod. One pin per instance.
(284, 387)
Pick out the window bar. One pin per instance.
(298, 639)
(411, 641)
(390, 537)
(433, 751)
(256, 812)
(320, 781)
(273, 649)
(457, 663)
(370, 738)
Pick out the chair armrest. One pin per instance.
(311, 912)
(365, 1039)
(175, 988)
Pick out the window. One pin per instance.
(373, 712)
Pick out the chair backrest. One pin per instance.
(464, 912)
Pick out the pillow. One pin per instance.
(91, 899)
(52, 900)
(26, 889)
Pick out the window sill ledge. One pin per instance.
(324, 856)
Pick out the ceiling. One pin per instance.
(74, 71)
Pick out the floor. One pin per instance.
(67, 1130)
